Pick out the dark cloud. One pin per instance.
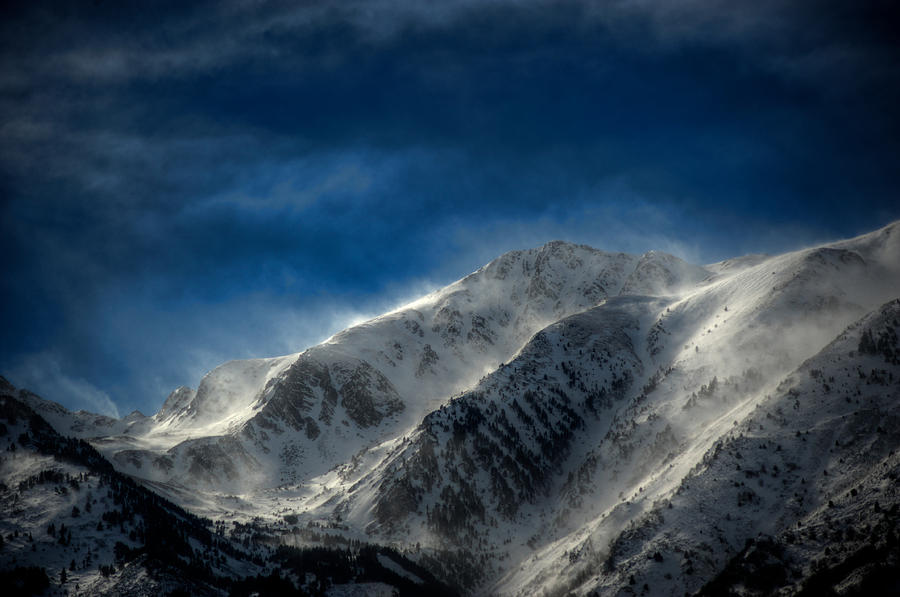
(179, 179)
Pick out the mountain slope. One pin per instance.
(70, 522)
(562, 419)
(268, 422)
(505, 456)
(805, 465)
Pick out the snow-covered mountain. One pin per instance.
(268, 422)
(71, 523)
(565, 419)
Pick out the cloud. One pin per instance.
(175, 187)
(110, 45)
(43, 374)
(298, 184)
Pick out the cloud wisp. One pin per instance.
(43, 374)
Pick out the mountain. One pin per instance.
(72, 522)
(569, 420)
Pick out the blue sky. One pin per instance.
(184, 185)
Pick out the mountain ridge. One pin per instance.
(549, 407)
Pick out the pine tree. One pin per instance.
(867, 343)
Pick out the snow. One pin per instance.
(398, 569)
(711, 353)
(29, 512)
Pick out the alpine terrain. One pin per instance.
(562, 421)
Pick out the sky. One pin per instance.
(182, 184)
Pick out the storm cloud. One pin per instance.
(184, 184)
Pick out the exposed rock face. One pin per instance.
(429, 358)
(366, 395)
(176, 403)
(306, 388)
